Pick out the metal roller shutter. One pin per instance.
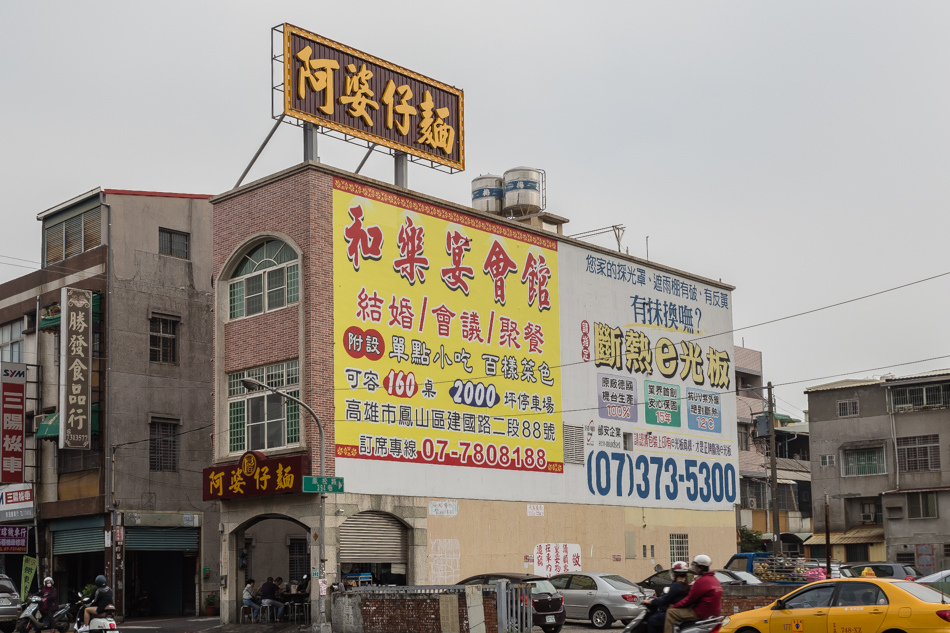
(90, 539)
(162, 539)
(373, 537)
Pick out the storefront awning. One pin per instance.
(49, 427)
(50, 323)
(856, 535)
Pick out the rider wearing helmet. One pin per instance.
(102, 599)
(704, 599)
(674, 594)
(49, 602)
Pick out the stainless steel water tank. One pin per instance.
(524, 191)
(487, 191)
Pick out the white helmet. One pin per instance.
(703, 560)
(47, 579)
(680, 567)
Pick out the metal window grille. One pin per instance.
(73, 461)
(174, 243)
(946, 549)
(827, 460)
(73, 240)
(924, 397)
(299, 559)
(54, 243)
(679, 547)
(91, 229)
(163, 340)
(163, 446)
(856, 551)
(917, 453)
(868, 461)
(922, 505)
(258, 420)
(847, 408)
(906, 558)
(573, 444)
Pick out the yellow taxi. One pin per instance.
(850, 605)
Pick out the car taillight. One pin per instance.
(944, 615)
(716, 630)
(629, 597)
(562, 600)
(910, 578)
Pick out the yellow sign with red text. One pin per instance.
(446, 336)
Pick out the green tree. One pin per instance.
(750, 540)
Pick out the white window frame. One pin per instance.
(679, 547)
(848, 408)
(849, 467)
(12, 341)
(918, 451)
(279, 281)
(278, 413)
(827, 460)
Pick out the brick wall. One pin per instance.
(406, 613)
(736, 598)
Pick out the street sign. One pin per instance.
(326, 485)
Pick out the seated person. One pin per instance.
(704, 599)
(269, 597)
(677, 592)
(248, 597)
(102, 600)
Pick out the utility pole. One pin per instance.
(827, 540)
(776, 530)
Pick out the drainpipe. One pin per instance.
(36, 445)
(105, 426)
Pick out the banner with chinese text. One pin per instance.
(447, 342)
(12, 407)
(254, 476)
(75, 367)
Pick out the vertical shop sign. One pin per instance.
(75, 364)
(12, 399)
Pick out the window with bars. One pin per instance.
(946, 549)
(922, 505)
(73, 461)
(260, 420)
(906, 558)
(920, 397)
(174, 243)
(847, 408)
(72, 237)
(268, 278)
(299, 563)
(679, 547)
(163, 340)
(917, 453)
(827, 460)
(865, 461)
(573, 444)
(163, 445)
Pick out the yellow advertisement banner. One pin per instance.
(446, 335)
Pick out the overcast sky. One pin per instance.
(799, 151)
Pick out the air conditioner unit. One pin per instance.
(37, 421)
(867, 518)
(752, 502)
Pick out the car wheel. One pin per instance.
(24, 626)
(553, 628)
(601, 618)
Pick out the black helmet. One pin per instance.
(101, 581)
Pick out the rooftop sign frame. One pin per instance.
(374, 104)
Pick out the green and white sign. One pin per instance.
(662, 403)
(324, 485)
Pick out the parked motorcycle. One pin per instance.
(30, 618)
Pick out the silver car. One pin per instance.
(599, 597)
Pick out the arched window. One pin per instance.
(268, 278)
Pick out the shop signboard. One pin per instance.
(12, 407)
(446, 331)
(16, 502)
(338, 87)
(13, 539)
(75, 367)
(255, 476)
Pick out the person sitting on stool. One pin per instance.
(269, 597)
(248, 597)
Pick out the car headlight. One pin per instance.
(725, 621)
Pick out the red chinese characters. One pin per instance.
(497, 265)
(411, 263)
(456, 245)
(362, 242)
(508, 333)
(471, 327)
(534, 337)
(536, 275)
(369, 307)
(401, 313)
(443, 319)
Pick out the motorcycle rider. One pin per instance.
(704, 599)
(676, 592)
(50, 602)
(101, 599)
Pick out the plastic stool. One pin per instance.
(268, 613)
(247, 614)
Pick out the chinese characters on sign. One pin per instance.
(338, 87)
(75, 369)
(12, 393)
(449, 336)
(13, 539)
(556, 558)
(255, 476)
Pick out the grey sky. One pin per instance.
(797, 150)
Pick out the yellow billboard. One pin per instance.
(446, 336)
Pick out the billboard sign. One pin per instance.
(16, 502)
(75, 367)
(255, 476)
(338, 87)
(12, 407)
(446, 331)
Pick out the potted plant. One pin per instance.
(211, 604)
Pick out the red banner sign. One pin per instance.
(12, 401)
(13, 539)
(255, 476)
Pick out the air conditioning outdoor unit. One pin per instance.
(867, 518)
(37, 421)
(752, 503)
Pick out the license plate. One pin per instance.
(549, 618)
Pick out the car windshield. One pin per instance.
(748, 578)
(541, 586)
(618, 582)
(7, 587)
(923, 592)
(911, 571)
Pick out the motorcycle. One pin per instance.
(32, 620)
(101, 622)
(639, 623)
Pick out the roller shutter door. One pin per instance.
(162, 539)
(373, 537)
(90, 539)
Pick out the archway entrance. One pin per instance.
(373, 550)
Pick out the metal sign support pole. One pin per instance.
(310, 143)
(401, 160)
